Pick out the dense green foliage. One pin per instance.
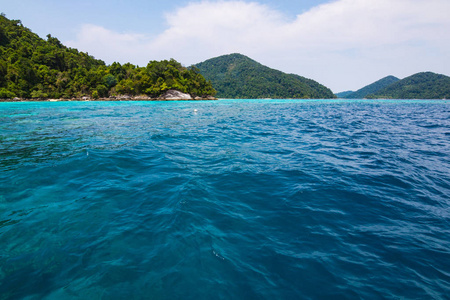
(344, 94)
(237, 76)
(426, 85)
(31, 67)
(372, 88)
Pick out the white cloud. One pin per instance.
(110, 46)
(343, 44)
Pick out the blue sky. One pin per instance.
(343, 44)
(63, 18)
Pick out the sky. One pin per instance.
(342, 44)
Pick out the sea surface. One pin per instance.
(228, 199)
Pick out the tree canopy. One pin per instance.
(31, 67)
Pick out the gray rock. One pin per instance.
(174, 95)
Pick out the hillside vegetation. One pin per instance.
(426, 85)
(344, 94)
(237, 76)
(31, 67)
(372, 88)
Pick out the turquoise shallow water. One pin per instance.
(279, 199)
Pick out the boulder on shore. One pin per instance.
(174, 95)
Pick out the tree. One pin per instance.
(38, 94)
(109, 80)
(6, 94)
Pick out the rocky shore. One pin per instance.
(170, 95)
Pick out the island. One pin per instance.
(423, 85)
(240, 77)
(34, 69)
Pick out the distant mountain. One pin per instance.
(344, 94)
(237, 76)
(372, 88)
(425, 85)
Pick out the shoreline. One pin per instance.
(210, 98)
(106, 99)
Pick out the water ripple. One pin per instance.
(233, 200)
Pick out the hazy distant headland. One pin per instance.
(35, 69)
(369, 89)
(424, 85)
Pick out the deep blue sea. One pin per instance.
(228, 199)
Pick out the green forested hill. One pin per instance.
(344, 94)
(426, 85)
(372, 88)
(237, 76)
(31, 67)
